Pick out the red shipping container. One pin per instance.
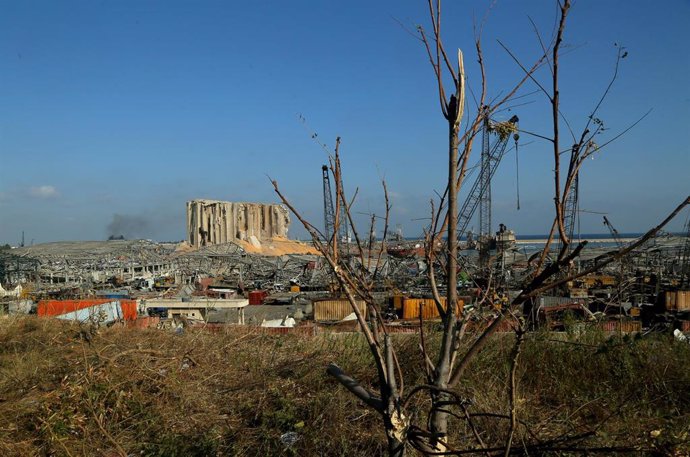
(58, 307)
(256, 297)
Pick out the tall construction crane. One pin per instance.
(685, 266)
(614, 233)
(570, 211)
(329, 211)
(480, 192)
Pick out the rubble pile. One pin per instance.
(204, 281)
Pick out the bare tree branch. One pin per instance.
(354, 387)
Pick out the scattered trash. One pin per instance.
(289, 438)
(285, 322)
(680, 337)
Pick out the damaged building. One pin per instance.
(219, 222)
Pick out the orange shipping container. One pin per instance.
(58, 307)
(680, 301)
(670, 301)
(336, 310)
(631, 326)
(621, 326)
(398, 301)
(413, 306)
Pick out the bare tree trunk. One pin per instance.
(395, 447)
(439, 417)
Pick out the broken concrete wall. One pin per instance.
(218, 222)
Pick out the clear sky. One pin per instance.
(117, 112)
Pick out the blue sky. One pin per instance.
(131, 108)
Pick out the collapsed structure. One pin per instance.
(238, 254)
(219, 222)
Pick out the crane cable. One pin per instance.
(516, 137)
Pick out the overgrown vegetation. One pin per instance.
(128, 391)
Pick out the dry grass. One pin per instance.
(158, 393)
(148, 392)
(625, 389)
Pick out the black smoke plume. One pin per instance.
(126, 226)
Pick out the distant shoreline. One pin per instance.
(589, 240)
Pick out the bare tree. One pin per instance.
(356, 278)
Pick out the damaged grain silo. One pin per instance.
(218, 222)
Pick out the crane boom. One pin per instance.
(685, 266)
(481, 190)
(570, 210)
(614, 233)
(328, 212)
